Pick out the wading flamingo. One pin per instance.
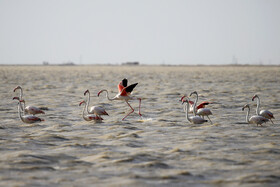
(256, 119)
(89, 117)
(28, 109)
(124, 94)
(98, 111)
(27, 118)
(201, 105)
(193, 119)
(202, 111)
(265, 113)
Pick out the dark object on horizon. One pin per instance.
(131, 63)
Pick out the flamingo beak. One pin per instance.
(81, 103)
(17, 98)
(182, 98)
(99, 93)
(86, 92)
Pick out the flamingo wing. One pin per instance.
(122, 85)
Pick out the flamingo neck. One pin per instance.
(84, 112)
(87, 102)
(247, 116)
(107, 95)
(186, 108)
(194, 105)
(258, 106)
(19, 111)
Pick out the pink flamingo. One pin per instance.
(193, 119)
(98, 111)
(201, 111)
(124, 94)
(265, 113)
(27, 118)
(28, 109)
(256, 119)
(89, 117)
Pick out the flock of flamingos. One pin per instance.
(27, 113)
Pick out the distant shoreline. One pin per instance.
(159, 65)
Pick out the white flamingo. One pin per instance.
(256, 119)
(193, 119)
(202, 111)
(124, 94)
(98, 111)
(265, 113)
(27, 118)
(89, 117)
(28, 109)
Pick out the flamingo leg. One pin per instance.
(132, 110)
(209, 119)
(139, 106)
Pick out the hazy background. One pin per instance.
(148, 31)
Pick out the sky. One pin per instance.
(147, 31)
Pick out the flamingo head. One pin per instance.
(82, 103)
(245, 106)
(254, 97)
(87, 91)
(193, 93)
(99, 92)
(18, 87)
(15, 98)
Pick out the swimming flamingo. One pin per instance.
(124, 94)
(27, 118)
(201, 105)
(28, 109)
(202, 111)
(265, 113)
(193, 119)
(256, 119)
(89, 117)
(98, 111)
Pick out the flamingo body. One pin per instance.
(201, 111)
(98, 111)
(256, 119)
(89, 117)
(27, 118)
(28, 109)
(265, 113)
(193, 119)
(31, 119)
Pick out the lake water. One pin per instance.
(160, 149)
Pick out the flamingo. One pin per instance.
(265, 113)
(98, 111)
(256, 119)
(27, 118)
(201, 105)
(124, 94)
(28, 109)
(89, 117)
(201, 111)
(193, 119)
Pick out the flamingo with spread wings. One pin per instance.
(124, 94)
